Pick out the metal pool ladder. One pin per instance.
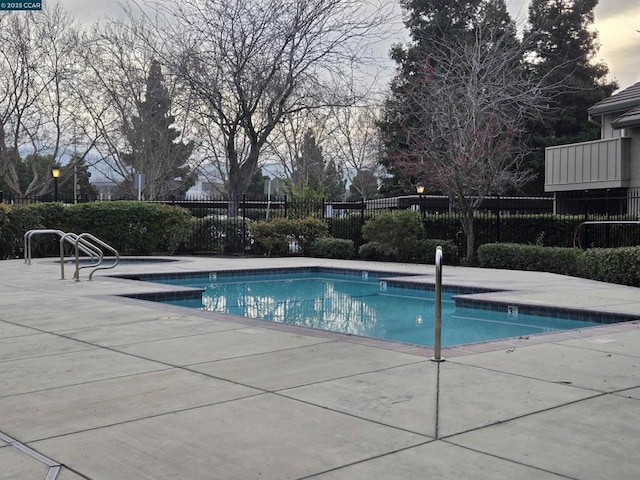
(90, 244)
(86, 249)
(85, 243)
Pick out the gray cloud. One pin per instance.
(623, 61)
(620, 41)
(92, 10)
(610, 8)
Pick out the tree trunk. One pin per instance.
(467, 222)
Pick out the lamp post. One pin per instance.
(55, 172)
(420, 190)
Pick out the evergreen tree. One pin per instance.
(432, 23)
(333, 181)
(154, 150)
(309, 165)
(564, 47)
(312, 175)
(78, 171)
(255, 190)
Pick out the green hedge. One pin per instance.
(129, 227)
(426, 251)
(395, 233)
(272, 237)
(333, 248)
(18, 219)
(565, 261)
(613, 265)
(372, 251)
(133, 227)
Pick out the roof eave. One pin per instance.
(627, 122)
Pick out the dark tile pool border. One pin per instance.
(546, 310)
(149, 277)
(460, 294)
(167, 296)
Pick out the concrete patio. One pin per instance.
(98, 386)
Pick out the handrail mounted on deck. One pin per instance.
(437, 346)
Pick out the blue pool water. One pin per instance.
(360, 306)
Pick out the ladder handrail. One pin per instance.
(31, 233)
(86, 247)
(438, 307)
(80, 238)
(27, 240)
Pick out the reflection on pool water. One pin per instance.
(353, 304)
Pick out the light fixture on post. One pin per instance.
(420, 190)
(55, 173)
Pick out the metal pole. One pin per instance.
(438, 309)
(269, 198)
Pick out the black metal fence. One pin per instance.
(499, 219)
(549, 221)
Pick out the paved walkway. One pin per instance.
(95, 386)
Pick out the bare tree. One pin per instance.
(37, 69)
(286, 143)
(120, 57)
(252, 64)
(463, 121)
(357, 143)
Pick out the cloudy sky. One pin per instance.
(617, 22)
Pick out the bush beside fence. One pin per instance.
(129, 227)
(612, 265)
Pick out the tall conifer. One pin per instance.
(154, 151)
(564, 46)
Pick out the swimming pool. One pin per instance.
(368, 304)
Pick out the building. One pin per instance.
(607, 171)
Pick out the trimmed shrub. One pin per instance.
(6, 236)
(566, 261)
(396, 233)
(426, 251)
(270, 236)
(333, 248)
(613, 265)
(305, 231)
(372, 251)
(133, 227)
(20, 219)
(274, 236)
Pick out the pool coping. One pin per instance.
(611, 321)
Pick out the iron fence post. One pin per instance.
(498, 233)
(244, 226)
(607, 227)
(586, 219)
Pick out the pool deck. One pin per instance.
(97, 386)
